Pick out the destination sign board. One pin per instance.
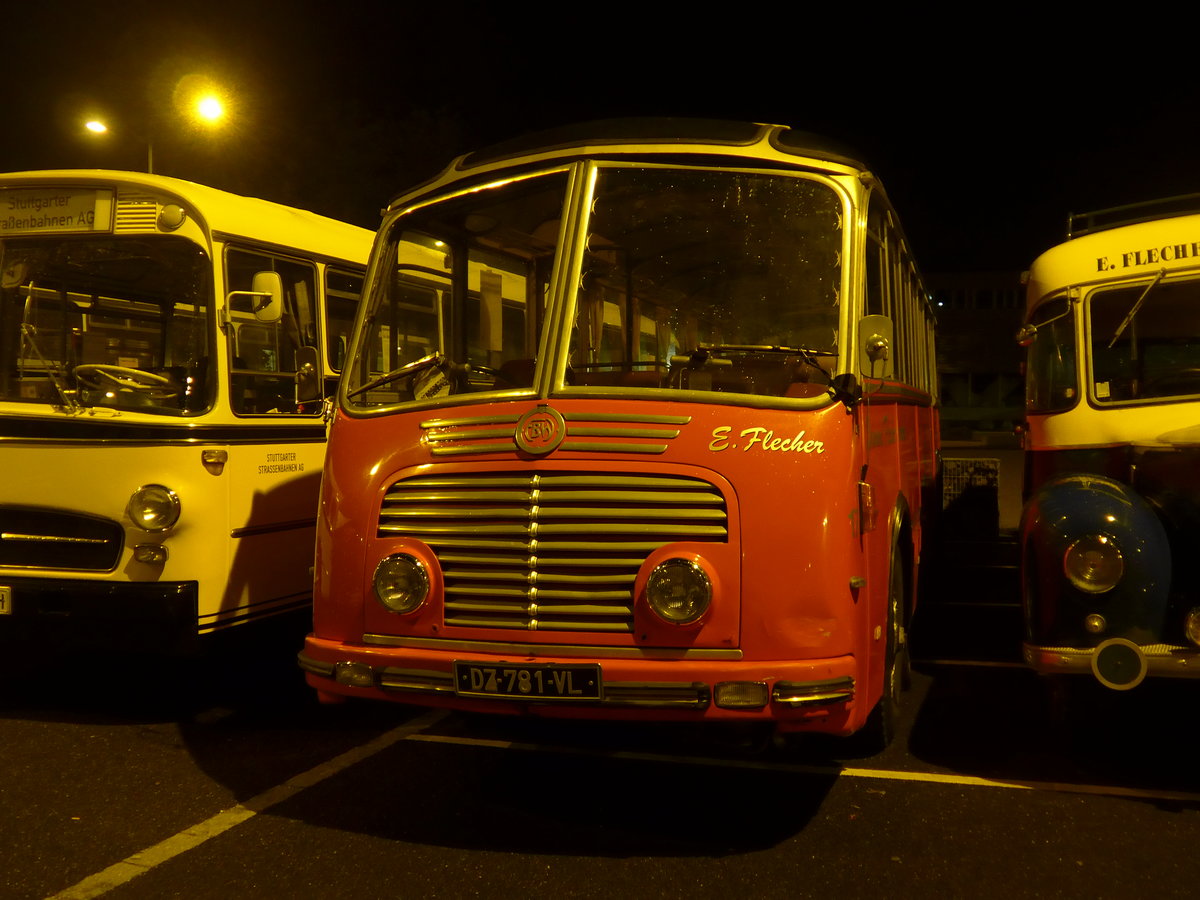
(47, 210)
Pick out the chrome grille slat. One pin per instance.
(32, 538)
(553, 551)
(587, 432)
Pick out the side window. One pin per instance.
(262, 355)
(1050, 373)
(875, 277)
(342, 292)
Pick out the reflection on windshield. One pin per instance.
(740, 270)
(103, 322)
(691, 280)
(467, 292)
(1156, 351)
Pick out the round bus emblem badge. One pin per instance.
(540, 430)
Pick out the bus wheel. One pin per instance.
(880, 727)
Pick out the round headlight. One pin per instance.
(1094, 564)
(153, 507)
(678, 591)
(1191, 626)
(401, 582)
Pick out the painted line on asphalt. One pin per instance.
(142, 862)
(1063, 787)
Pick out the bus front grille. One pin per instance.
(551, 551)
(48, 539)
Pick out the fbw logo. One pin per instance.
(540, 430)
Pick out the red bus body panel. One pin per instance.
(797, 582)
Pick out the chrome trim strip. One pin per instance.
(584, 447)
(51, 538)
(255, 611)
(533, 651)
(657, 694)
(642, 694)
(623, 417)
(477, 420)
(813, 693)
(474, 449)
(251, 530)
(472, 436)
(449, 435)
(316, 667)
(417, 680)
(626, 432)
(1162, 660)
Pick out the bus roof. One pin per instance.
(1116, 253)
(222, 211)
(632, 136)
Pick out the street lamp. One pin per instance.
(204, 106)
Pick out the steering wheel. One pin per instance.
(97, 376)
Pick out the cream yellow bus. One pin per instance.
(165, 352)
(1112, 515)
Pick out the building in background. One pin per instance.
(979, 362)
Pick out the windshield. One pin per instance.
(462, 306)
(710, 280)
(120, 323)
(691, 280)
(1145, 342)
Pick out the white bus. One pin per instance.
(1112, 516)
(165, 352)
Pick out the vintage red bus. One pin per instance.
(635, 425)
(1113, 398)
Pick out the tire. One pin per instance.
(880, 728)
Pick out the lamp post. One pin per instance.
(205, 107)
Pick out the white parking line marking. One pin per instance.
(142, 862)
(835, 771)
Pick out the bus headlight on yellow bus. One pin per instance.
(679, 591)
(401, 583)
(153, 507)
(1094, 564)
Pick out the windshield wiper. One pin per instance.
(29, 334)
(405, 371)
(1136, 306)
(700, 356)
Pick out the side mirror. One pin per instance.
(308, 380)
(1026, 335)
(269, 287)
(875, 346)
(266, 293)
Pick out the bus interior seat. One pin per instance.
(515, 373)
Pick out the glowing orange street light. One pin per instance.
(207, 108)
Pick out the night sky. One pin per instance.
(986, 132)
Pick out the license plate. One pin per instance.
(5, 600)
(536, 682)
